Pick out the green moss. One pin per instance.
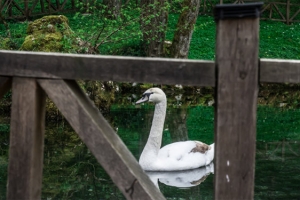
(50, 42)
(48, 24)
(46, 34)
(6, 44)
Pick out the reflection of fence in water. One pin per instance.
(278, 150)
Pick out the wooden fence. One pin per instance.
(16, 9)
(276, 10)
(280, 149)
(284, 11)
(235, 75)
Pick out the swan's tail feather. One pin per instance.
(210, 154)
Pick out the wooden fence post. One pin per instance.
(26, 140)
(236, 97)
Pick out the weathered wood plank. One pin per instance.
(271, 70)
(279, 71)
(5, 85)
(26, 140)
(100, 138)
(236, 89)
(115, 68)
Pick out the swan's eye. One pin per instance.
(147, 95)
(145, 98)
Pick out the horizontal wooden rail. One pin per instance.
(133, 69)
(279, 71)
(114, 68)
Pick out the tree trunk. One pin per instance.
(113, 8)
(185, 26)
(154, 19)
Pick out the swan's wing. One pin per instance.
(177, 149)
(182, 156)
(186, 147)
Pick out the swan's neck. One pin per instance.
(153, 145)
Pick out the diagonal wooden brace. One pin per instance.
(101, 139)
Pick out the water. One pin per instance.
(71, 171)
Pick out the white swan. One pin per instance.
(176, 156)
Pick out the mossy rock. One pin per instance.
(47, 34)
(7, 44)
(49, 24)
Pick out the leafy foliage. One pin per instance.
(70, 169)
(95, 25)
(122, 36)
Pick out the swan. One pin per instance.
(172, 157)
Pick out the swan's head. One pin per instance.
(155, 95)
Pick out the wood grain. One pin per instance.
(130, 69)
(5, 85)
(114, 68)
(100, 138)
(26, 140)
(237, 88)
(279, 71)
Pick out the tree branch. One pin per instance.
(113, 32)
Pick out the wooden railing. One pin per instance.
(235, 75)
(15, 9)
(276, 10)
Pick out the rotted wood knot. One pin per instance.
(130, 190)
(243, 75)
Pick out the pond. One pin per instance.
(71, 171)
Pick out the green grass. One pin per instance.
(277, 40)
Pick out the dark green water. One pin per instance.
(71, 171)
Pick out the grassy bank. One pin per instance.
(277, 40)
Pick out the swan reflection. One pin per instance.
(181, 179)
